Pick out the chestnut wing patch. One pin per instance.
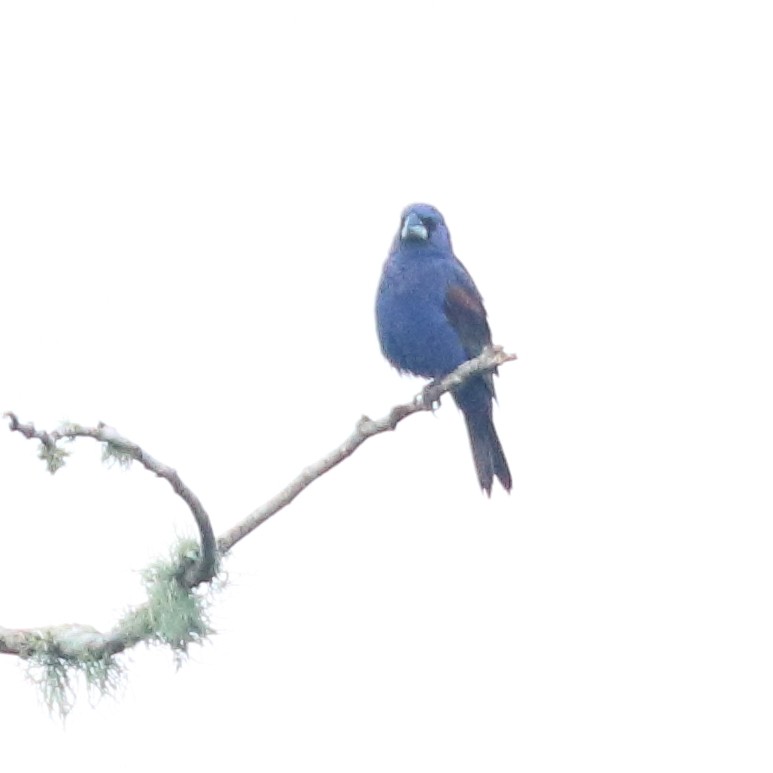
(464, 310)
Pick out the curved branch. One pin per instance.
(77, 641)
(124, 450)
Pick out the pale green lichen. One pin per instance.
(114, 452)
(53, 456)
(174, 616)
(56, 675)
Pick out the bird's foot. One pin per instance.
(427, 399)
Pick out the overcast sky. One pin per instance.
(196, 201)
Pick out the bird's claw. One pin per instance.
(425, 397)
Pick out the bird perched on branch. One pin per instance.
(431, 319)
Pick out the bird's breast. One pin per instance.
(415, 334)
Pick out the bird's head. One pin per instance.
(423, 224)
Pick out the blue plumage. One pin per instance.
(431, 319)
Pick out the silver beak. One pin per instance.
(413, 228)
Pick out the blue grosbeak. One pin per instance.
(431, 319)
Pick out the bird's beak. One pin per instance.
(413, 228)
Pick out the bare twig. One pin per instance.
(123, 449)
(366, 428)
(83, 641)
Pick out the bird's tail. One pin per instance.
(487, 450)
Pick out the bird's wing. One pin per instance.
(464, 309)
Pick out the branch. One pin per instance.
(366, 428)
(172, 614)
(124, 451)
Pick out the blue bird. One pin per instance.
(431, 319)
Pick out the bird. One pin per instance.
(430, 319)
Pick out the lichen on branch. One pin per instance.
(176, 611)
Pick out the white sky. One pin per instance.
(196, 202)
